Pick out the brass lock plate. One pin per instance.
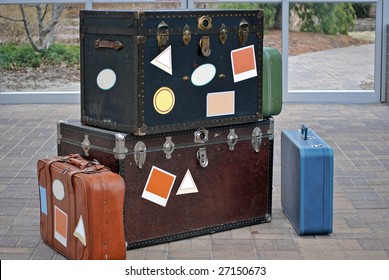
(204, 23)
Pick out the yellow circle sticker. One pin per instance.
(164, 100)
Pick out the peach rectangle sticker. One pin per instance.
(158, 186)
(243, 63)
(220, 103)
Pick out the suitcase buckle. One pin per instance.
(140, 154)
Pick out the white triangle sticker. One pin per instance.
(187, 185)
(164, 60)
(79, 232)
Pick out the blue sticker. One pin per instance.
(42, 192)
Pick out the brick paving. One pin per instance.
(359, 135)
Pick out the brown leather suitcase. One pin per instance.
(187, 183)
(81, 205)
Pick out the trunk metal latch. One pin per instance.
(140, 154)
(86, 145)
(186, 35)
(120, 149)
(205, 45)
(256, 140)
(201, 136)
(202, 156)
(223, 34)
(232, 139)
(168, 147)
(243, 32)
(162, 34)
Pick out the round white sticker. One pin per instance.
(203, 74)
(106, 79)
(58, 189)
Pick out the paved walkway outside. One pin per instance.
(349, 68)
(359, 135)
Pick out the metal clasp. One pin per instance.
(201, 136)
(205, 45)
(140, 154)
(256, 140)
(162, 34)
(232, 139)
(243, 32)
(86, 145)
(186, 35)
(202, 157)
(223, 34)
(120, 149)
(168, 147)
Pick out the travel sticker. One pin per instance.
(58, 189)
(43, 196)
(164, 60)
(203, 74)
(243, 63)
(79, 232)
(220, 103)
(163, 100)
(158, 186)
(106, 79)
(60, 226)
(187, 185)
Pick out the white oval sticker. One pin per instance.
(58, 189)
(106, 79)
(203, 74)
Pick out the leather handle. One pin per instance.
(83, 164)
(116, 45)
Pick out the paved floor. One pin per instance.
(359, 135)
(350, 68)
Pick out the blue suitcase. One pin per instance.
(307, 168)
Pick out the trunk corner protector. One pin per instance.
(271, 126)
(59, 135)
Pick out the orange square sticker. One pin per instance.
(60, 226)
(158, 186)
(243, 63)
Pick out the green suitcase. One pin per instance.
(272, 82)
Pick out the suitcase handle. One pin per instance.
(83, 164)
(304, 131)
(116, 45)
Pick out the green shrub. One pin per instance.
(327, 18)
(269, 11)
(18, 56)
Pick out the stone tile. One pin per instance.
(361, 195)
(369, 244)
